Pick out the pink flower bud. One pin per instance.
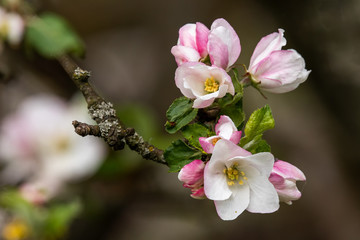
(275, 70)
(192, 175)
(224, 129)
(284, 177)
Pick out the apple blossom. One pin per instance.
(275, 70)
(196, 42)
(203, 83)
(224, 129)
(237, 180)
(224, 44)
(284, 177)
(38, 145)
(192, 175)
(192, 43)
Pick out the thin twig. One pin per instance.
(109, 126)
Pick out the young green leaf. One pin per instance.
(235, 80)
(179, 114)
(257, 144)
(192, 132)
(51, 36)
(178, 154)
(259, 121)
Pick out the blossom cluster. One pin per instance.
(236, 179)
(270, 69)
(237, 172)
(39, 149)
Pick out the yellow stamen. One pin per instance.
(214, 141)
(211, 85)
(234, 174)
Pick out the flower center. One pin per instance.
(215, 140)
(234, 175)
(211, 85)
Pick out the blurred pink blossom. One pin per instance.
(11, 27)
(38, 145)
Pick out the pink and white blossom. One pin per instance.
(38, 146)
(284, 177)
(192, 175)
(192, 43)
(203, 83)
(224, 44)
(196, 42)
(237, 180)
(275, 70)
(224, 129)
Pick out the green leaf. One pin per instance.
(257, 144)
(235, 80)
(259, 121)
(178, 154)
(192, 132)
(233, 109)
(51, 36)
(179, 114)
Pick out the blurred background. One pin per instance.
(128, 53)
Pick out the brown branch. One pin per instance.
(109, 126)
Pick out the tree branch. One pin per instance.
(109, 126)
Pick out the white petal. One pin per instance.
(263, 162)
(263, 196)
(215, 182)
(231, 208)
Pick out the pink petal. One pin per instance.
(224, 44)
(225, 127)
(218, 51)
(202, 33)
(184, 54)
(187, 36)
(272, 42)
(282, 71)
(206, 143)
(198, 193)
(235, 137)
(192, 172)
(287, 170)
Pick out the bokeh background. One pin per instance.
(128, 52)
